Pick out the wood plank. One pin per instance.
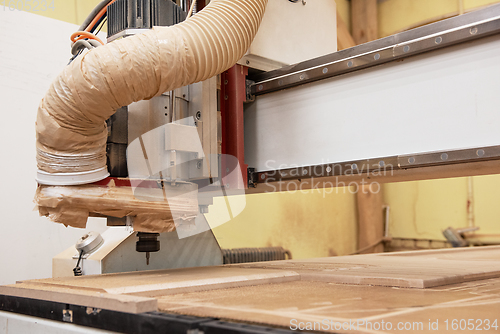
(95, 299)
(311, 302)
(131, 292)
(163, 282)
(405, 270)
(344, 38)
(370, 218)
(364, 20)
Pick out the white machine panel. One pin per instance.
(292, 32)
(441, 100)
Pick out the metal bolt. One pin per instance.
(67, 316)
(248, 62)
(226, 97)
(349, 63)
(480, 153)
(438, 40)
(301, 77)
(263, 176)
(473, 31)
(381, 163)
(411, 160)
(199, 164)
(444, 156)
(406, 48)
(325, 70)
(280, 82)
(226, 82)
(377, 56)
(261, 87)
(304, 172)
(354, 166)
(198, 115)
(328, 169)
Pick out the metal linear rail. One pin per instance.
(434, 36)
(477, 161)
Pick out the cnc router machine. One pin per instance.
(282, 118)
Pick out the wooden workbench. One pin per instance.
(423, 289)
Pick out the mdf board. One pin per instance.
(418, 269)
(416, 287)
(331, 305)
(134, 292)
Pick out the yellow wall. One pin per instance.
(398, 15)
(72, 11)
(311, 224)
(344, 10)
(422, 209)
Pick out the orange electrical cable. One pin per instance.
(87, 33)
(84, 34)
(98, 16)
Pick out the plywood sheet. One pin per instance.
(420, 269)
(320, 284)
(90, 297)
(121, 292)
(286, 304)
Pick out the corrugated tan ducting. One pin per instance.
(71, 130)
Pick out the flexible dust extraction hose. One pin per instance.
(71, 130)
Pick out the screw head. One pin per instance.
(198, 115)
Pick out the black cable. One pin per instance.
(98, 23)
(75, 56)
(102, 25)
(77, 270)
(93, 14)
